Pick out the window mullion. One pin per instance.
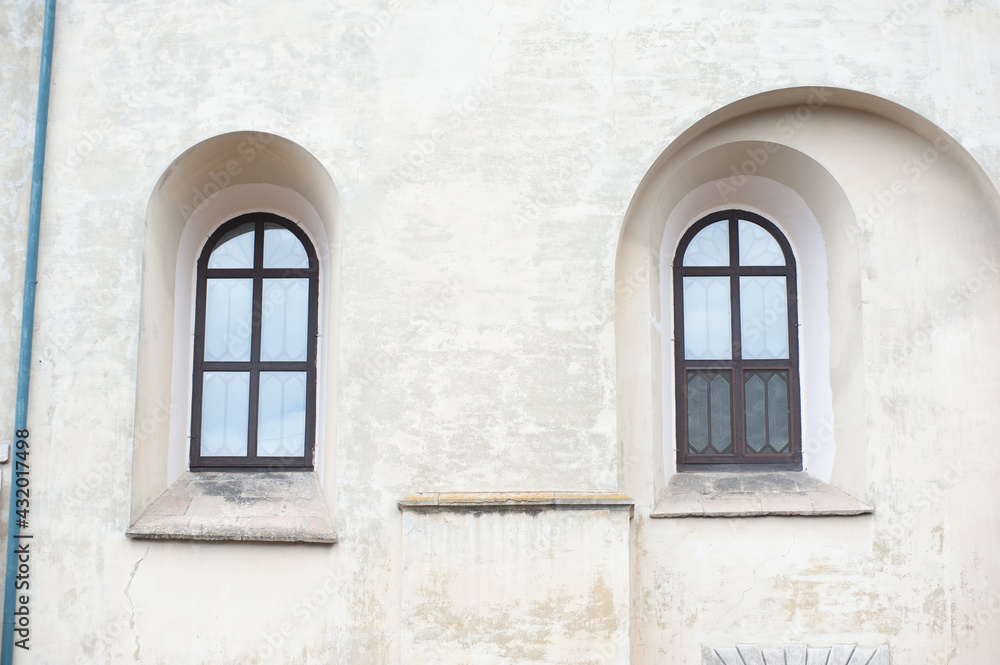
(739, 433)
(197, 387)
(255, 328)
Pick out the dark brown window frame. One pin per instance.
(739, 459)
(253, 462)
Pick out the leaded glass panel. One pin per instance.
(710, 247)
(235, 249)
(282, 249)
(758, 247)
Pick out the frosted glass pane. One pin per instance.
(235, 250)
(710, 247)
(767, 419)
(697, 413)
(282, 249)
(758, 247)
(764, 317)
(285, 323)
(722, 428)
(756, 408)
(225, 408)
(707, 319)
(777, 412)
(281, 420)
(228, 305)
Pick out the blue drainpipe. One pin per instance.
(14, 536)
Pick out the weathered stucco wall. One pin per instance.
(485, 155)
(536, 587)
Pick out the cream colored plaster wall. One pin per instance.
(485, 154)
(497, 587)
(907, 437)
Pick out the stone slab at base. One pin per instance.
(241, 506)
(796, 654)
(754, 494)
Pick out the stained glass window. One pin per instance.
(736, 350)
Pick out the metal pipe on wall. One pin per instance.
(14, 535)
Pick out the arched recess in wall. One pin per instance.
(831, 168)
(214, 181)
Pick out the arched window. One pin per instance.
(736, 345)
(254, 384)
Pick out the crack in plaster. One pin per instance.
(489, 61)
(754, 582)
(131, 605)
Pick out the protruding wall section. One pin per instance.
(212, 182)
(505, 578)
(891, 221)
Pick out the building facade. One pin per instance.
(508, 332)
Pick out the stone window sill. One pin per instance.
(240, 506)
(754, 494)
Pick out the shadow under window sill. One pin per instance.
(260, 506)
(754, 494)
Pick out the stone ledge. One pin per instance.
(508, 500)
(754, 494)
(240, 506)
(796, 654)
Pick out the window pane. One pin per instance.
(764, 317)
(709, 413)
(767, 412)
(778, 412)
(282, 249)
(228, 306)
(281, 422)
(235, 249)
(284, 329)
(720, 398)
(697, 413)
(756, 407)
(225, 407)
(710, 247)
(707, 319)
(758, 247)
